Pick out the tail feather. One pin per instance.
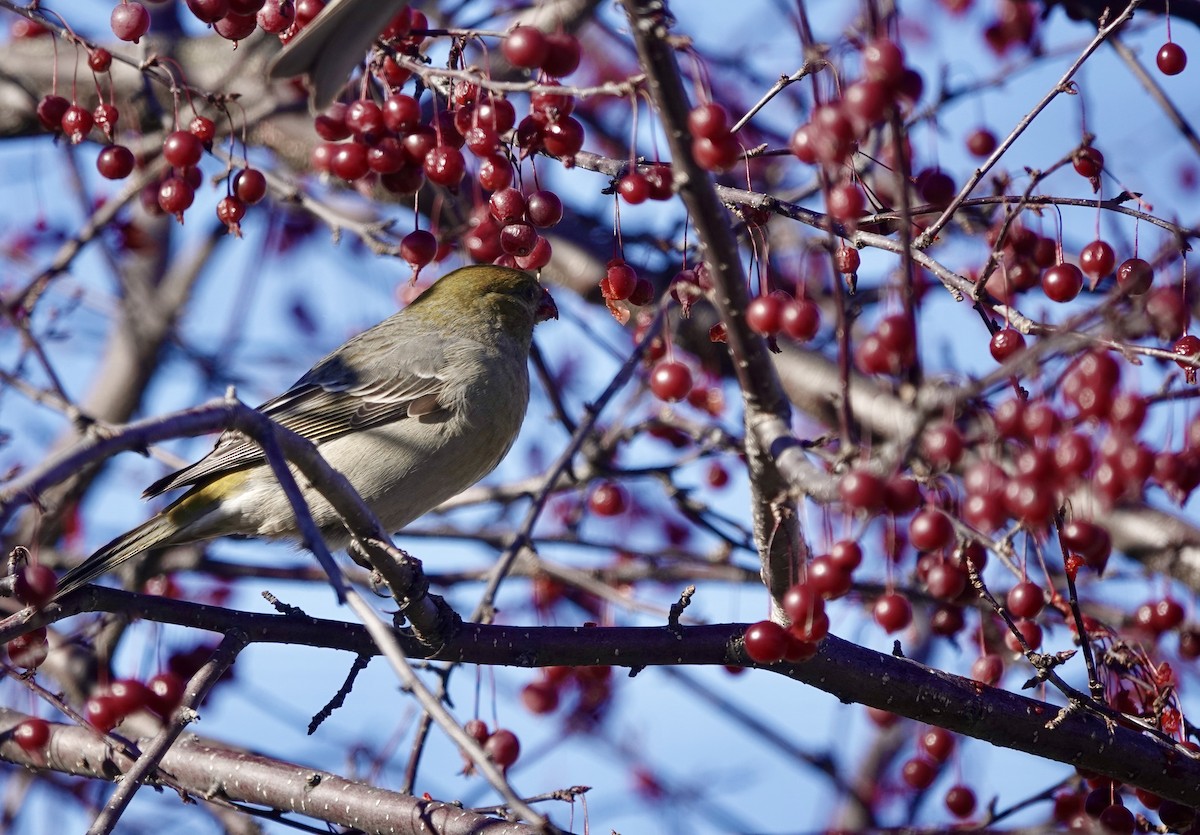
(154, 532)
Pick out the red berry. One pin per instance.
(764, 315)
(181, 148)
(236, 27)
(802, 602)
(32, 734)
(477, 729)
(902, 495)
(401, 113)
(938, 743)
(562, 55)
(828, 579)
(1117, 820)
(1097, 260)
(203, 128)
(1062, 282)
(28, 650)
(670, 381)
(130, 21)
(35, 585)
(862, 490)
(349, 161)
(960, 800)
(445, 166)
(249, 185)
(1006, 343)
(1187, 346)
(563, 138)
(419, 248)
(540, 697)
(77, 122)
(718, 154)
(766, 642)
(846, 260)
(1135, 276)
(518, 239)
(936, 187)
(634, 188)
(543, 208)
(619, 282)
(166, 692)
(175, 196)
(129, 695)
(507, 205)
(208, 11)
(982, 143)
(365, 119)
(945, 580)
(846, 202)
(893, 612)
(988, 669)
(709, 121)
(50, 111)
(115, 162)
(101, 713)
(883, 60)
(105, 116)
(803, 145)
(931, 530)
(1171, 58)
(847, 555)
(1025, 600)
(1088, 162)
(526, 47)
(540, 257)
(549, 106)
(943, 444)
(276, 16)
(99, 59)
(801, 320)
(867, 101)
(918, 773)
(503, 747)
(608, 499)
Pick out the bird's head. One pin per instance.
(490, 295)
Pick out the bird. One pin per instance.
(411, 411)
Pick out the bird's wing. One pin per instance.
(329, 401)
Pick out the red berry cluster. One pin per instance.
(714, 147)
(592, 687)
(1023, 254)
(652, 182)
(501, 745)
(935, 746)
(161, 694)
(28, 650)
(891, 348)
(556, 54)
(622, 283)
(1014, 26)
(827, 577)
(779, 312)
(833, 131)
(1100, 804)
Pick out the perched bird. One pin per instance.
(412, 411)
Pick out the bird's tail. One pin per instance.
(154, 532)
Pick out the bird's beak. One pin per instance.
(546, 308)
